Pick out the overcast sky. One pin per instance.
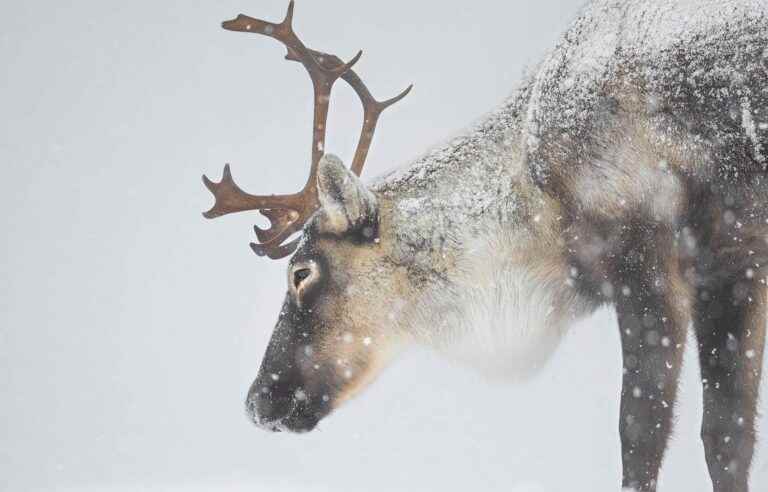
(131, 327)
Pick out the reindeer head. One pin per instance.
(329, 341)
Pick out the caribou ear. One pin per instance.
(346, 204)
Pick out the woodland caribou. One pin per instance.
(628, 169)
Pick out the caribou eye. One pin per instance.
(300, 275)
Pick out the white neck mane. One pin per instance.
(501, 314)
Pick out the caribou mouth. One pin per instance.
(295, 416)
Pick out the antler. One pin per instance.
(372, 108)
(288, 213)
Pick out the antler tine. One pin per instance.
(372, 108)
(286, 213)
(276, 252)
(231, 199)
(279, 219)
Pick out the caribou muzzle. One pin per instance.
(286, 400)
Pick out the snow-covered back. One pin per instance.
(690, 58)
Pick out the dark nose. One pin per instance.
(269, 401)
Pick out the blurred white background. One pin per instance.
(131, 327)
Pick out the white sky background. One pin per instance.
(131, 327)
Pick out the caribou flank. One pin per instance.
(628, 169)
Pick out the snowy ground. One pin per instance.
(130, 328)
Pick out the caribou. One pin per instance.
(627, 169)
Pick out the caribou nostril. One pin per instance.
(300, 275)
(267, 407)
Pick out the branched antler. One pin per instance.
(287, 214)
(372, 108)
